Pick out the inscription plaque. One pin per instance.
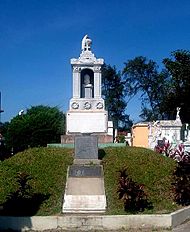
(85, 171)
(86, 147)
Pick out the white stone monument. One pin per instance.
(86, 118)
(86, 111)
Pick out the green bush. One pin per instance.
(132, 194)
(121, 138)
(181, 184)
(37, 127)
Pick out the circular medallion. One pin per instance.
(99, 105)
(87, 105)
(75, 105)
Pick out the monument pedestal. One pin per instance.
(84, 192)
(102, 138)
(86, 122)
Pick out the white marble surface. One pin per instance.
(86, 122)
(84, 204)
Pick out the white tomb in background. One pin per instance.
(168, 129)
(87, 112)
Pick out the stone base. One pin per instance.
(84, 204)
(86, 121)
(102, 138)
(84, 192)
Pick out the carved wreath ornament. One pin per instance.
(75, 105)
(87, 105)
(99, 105)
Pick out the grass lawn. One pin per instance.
(47, 168)
(145, 167)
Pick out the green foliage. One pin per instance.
(113, 92)
(143, 166)
(37, 127)
(141, 75)
(181, 184)
(22, 180)
(4, 152)
(161, 91)
(3, 128)
(43, 172)
(40, 184)
(23, 201)
(121, 138)
(133, 195)
(178, 93)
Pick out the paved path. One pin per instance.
(182, 228)
(185, 227)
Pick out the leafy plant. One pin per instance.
(23, 201)
(177, 153)
(131, 193)
(181, 184)
(144, 166)
(24, 188)
(121, 138)
(165, 147)
(32, 182)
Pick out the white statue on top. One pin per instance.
(86, 43)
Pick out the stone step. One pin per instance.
(84, 204)
(84, 192)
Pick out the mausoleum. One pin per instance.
(148, 134)
(168, 129)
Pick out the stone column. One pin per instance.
(178, 134)
(76, 82)
(97, 83)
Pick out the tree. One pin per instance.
(37, 127)
(141, 75)
(178, 93)
(4, 153)
(113, 93)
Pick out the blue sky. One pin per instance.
(39, 37)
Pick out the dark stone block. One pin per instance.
(85, 171)
(86, 147)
